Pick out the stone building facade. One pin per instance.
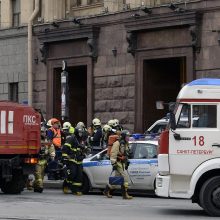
(123, 57)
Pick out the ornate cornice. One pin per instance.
(47, 35)
(88, 33)
(190, 19)
(161, 21)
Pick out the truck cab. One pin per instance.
(189, 149)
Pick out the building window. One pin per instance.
(16, 13)
(13, 92)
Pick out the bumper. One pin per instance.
(162, 185)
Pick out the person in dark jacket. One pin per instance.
(73, 153)
(95, 135)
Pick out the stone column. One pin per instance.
(6, 14)
(113, 6)
(60, 9)
(54, 10)
(27, 8)
(48, 12)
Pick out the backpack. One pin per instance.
(111, 140)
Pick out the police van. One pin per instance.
(141, 172)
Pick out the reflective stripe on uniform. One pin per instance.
(77, 184)
(75, 161)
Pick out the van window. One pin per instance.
(204, 116)
(184, 119)
(145, 151)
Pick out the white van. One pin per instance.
(189, 152)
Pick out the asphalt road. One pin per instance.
(52, 204)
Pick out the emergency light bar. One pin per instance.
(144, 136)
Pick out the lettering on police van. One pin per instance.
(29, 119)
(197, 152)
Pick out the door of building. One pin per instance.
(162, 80)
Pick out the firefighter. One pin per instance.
(55, 136)
(106, 132)
(47, 152)
(68, 129)
(118, 126)
(95, 135)
(81, 126)
(73, 153)
(119, 159)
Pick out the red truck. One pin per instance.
(19, 144)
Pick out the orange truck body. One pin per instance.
(19, 143)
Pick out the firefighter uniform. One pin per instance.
(72, 156)
(47, 152)
(119, 159)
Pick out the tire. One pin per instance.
(209, 196)
(85, 185)
(15, 186)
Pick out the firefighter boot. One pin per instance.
(38, 185)
(77, 193)
(65, 187)
(125, 193)
(107, 191)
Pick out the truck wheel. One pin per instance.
(85, 185)
(210, 196)
(15, 186)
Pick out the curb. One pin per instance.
(53, 184)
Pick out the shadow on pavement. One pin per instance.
(182, 212)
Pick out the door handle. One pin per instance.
(216, 145)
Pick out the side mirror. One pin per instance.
(172, 121)
(98, 157)
(177, 137)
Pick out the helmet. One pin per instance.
(54, 120)
(49, 123)
(125, 133)
(116, 122)
(66, 125)
(96, 122)
(111, 123)
(78, 131)
(80, 125)
(106, 128)
(42, 127)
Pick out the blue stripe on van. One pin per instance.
(107, 162)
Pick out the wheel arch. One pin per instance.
(86, 188)
(204, 172)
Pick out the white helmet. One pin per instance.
(49, 124)
(66, 125)
(80, 125)
(111, 123)
(96, 122)
(106, 128)
(116, 122)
